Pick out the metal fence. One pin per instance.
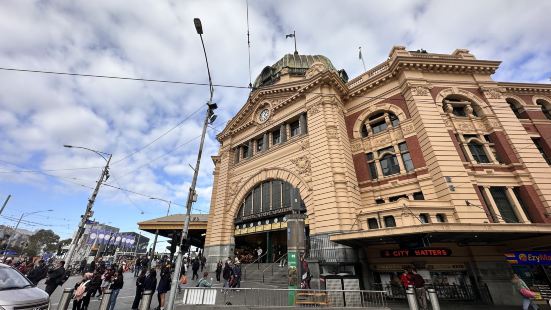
(444, 292)
(284, 297)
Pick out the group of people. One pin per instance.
(410, 277)
(231, 273)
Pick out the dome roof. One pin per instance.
(297, 65)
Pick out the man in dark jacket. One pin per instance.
(39, 272)
(56, 277)
(195, 267)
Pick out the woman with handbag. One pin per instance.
(525, 292)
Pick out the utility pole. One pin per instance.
(17, 226)
(78, 233)
(5, 203)
(210, 117)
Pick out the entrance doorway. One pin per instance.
(272, 243)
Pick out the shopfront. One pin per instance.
(534, 267)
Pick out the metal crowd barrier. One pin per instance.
(284, 297)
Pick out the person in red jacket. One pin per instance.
(405, 278)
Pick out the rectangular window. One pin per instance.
(287, 195)
(441, 218)
(389, 221)
(276, 137)
(245, 151)
(537, 142)
(295, 128)
(503, 204)
(389, 165)
(378, 126)
(424, 218)
(395, 198)
(523, 205)
(265, 196)
(418, 196)
(259, 145)
(372, 223)
(459, 111)
(379, 201)
(406, 157)
(276, 194)
(248, 205)
(257, 200)
(477, 151)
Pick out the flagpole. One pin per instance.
(295, 37)
(362, 58)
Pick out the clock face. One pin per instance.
(264, 115)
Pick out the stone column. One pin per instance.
(516, 205)
(493, 206)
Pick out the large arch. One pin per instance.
(266, 174)
(379, 107)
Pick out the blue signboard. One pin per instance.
(529, 258)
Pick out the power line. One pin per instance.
(119, 77)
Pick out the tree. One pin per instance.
(42, 240)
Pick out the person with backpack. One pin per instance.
(81, 298)
(116, 286)
(56, 277)
(419, 285)
(39, 272)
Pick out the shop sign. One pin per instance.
(529, 258)
(266, 214)
(422, 252)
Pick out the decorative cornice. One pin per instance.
(526, 87)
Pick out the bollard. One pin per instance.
(65, 300)
(105, 300)
(146, 300)
(412, 299)
(433, 299)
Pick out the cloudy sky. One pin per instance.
(156, 39)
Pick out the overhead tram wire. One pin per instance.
(119, 77)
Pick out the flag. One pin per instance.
(360, 54)
(101, 235)
(92, 236)
(118, 240)
(291, 35)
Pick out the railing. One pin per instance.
(278, 261)
(450, 292)
(285, 297)
(256, 261)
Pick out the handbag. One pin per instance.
(527, 293)
(183, 279)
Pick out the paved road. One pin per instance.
(126, 295)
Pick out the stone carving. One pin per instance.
(466, 127)
(304, 144)
(491, 124)
(381, 141)
(492, 93)
(420, 91)
(448, 122)
(303, 165)
(314, 109)
(409, 128)
(356, 146)
(315, 69)
(469, 110)
(332, 132)
(448, 108)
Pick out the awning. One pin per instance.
(172, 225)
(445, 232)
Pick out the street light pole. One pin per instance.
(17, 226)
(210, 117)
(157, 231)
(88, 213)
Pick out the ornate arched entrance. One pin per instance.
(261, 220)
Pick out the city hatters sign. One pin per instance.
(421, 252)
(265, 214)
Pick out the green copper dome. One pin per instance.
(297, 65)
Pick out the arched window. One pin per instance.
(389, 221)
(460, 107)
(385, 161)
(379, 122)
(372, 223)
(515, 106)
(545, 107)
(478, 153)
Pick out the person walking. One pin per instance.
(140, 284)
(116, 286)
(39, 272)
(203, 262)
(163, 287)
(137, 266)
(525, 292)
(195, 268)
(237, 275)
(218, 270)
(226, 274)
(56, 277)
(203, 282)
(81, 298)
(92, 267)
(420, 292)
(82, 267)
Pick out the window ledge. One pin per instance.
(270, 149)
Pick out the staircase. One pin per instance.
(252, 273)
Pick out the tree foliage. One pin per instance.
(43, 239)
